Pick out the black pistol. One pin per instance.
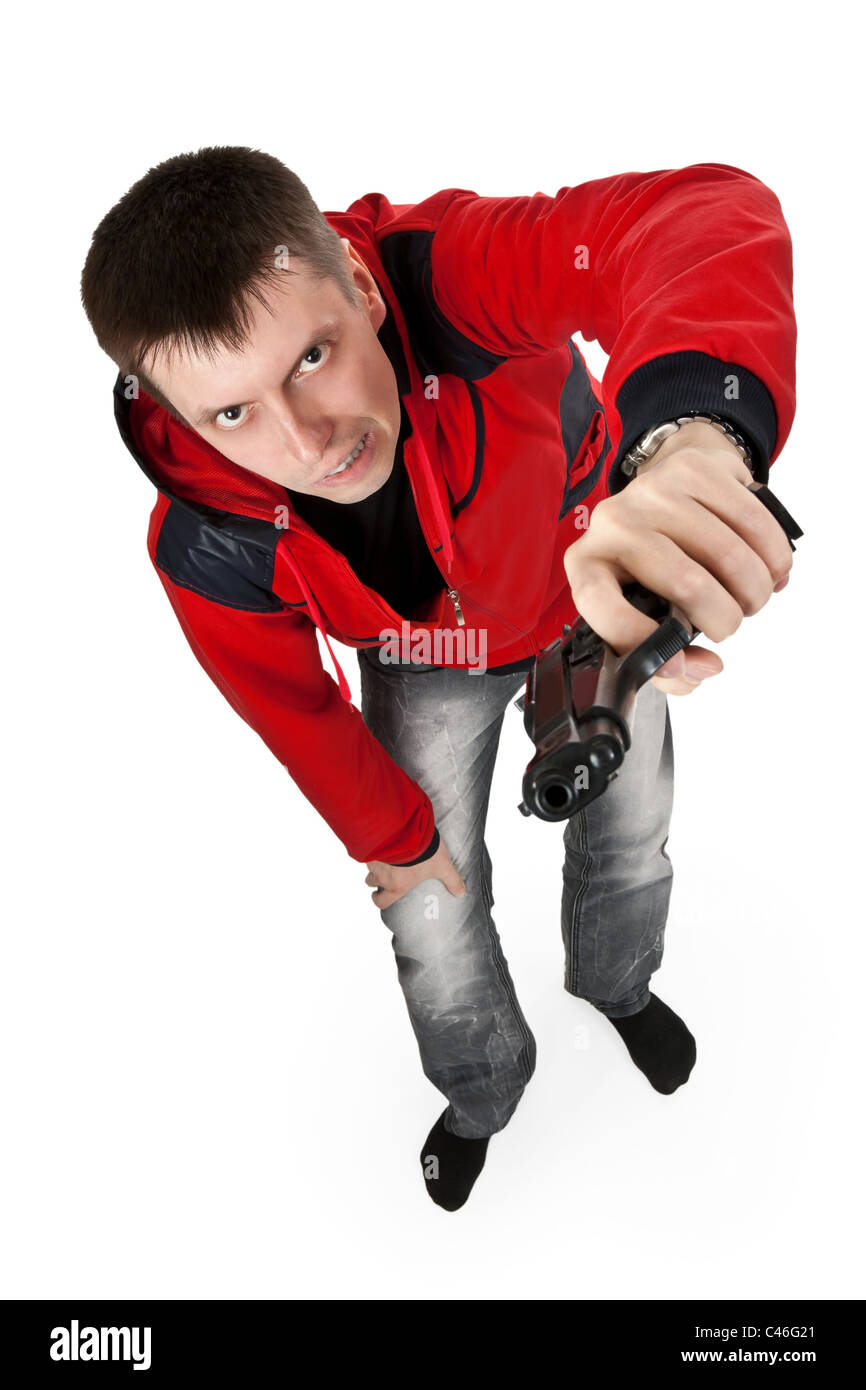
(579, 697)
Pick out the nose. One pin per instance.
(305, 429)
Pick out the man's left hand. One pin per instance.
(688, 528)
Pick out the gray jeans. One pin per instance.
(442, 726)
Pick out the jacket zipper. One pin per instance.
(452, 592)
(455, 599)
(299, 524)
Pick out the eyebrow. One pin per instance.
(324, 330)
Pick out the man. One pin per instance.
(375, 424)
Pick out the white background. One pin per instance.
(210, 1087)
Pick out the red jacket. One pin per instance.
(684, 277)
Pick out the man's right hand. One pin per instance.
(394, 880)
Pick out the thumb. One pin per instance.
(695, 663)
(452, 880)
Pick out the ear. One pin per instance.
(365, 285)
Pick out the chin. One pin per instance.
(367, 486)
(371, 485)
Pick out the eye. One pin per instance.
(230, 410)
(318, 349)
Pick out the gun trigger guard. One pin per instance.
(670, 637)
(682, 618)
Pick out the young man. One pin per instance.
(375, 424)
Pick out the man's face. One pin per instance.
(311, 384)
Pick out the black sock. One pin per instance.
(451, 1165)
(660, 1045)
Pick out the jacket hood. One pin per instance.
(193, 474)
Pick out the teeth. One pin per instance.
(349, 461)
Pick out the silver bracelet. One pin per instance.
(653, 438)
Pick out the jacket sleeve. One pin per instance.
(684, 276)
(268, 667)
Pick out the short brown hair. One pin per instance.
(177, 261)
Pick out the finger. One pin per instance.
(681, 687)
(601, 601)
(730, 493)
(691, 680)
(739, 507)
(384, 897)
(708, 539)
(698, 665)
(664, 569)
(683, 672)
(452, 880)
(675, 687)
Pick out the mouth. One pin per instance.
(352, 467)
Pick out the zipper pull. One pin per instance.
(455, 599)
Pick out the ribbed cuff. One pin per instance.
(680, 382)
(428, 853)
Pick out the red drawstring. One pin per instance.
(317, 619)
(444, 522)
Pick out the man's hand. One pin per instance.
(393, 880)
(688, 529)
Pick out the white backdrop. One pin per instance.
(210, 1087)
